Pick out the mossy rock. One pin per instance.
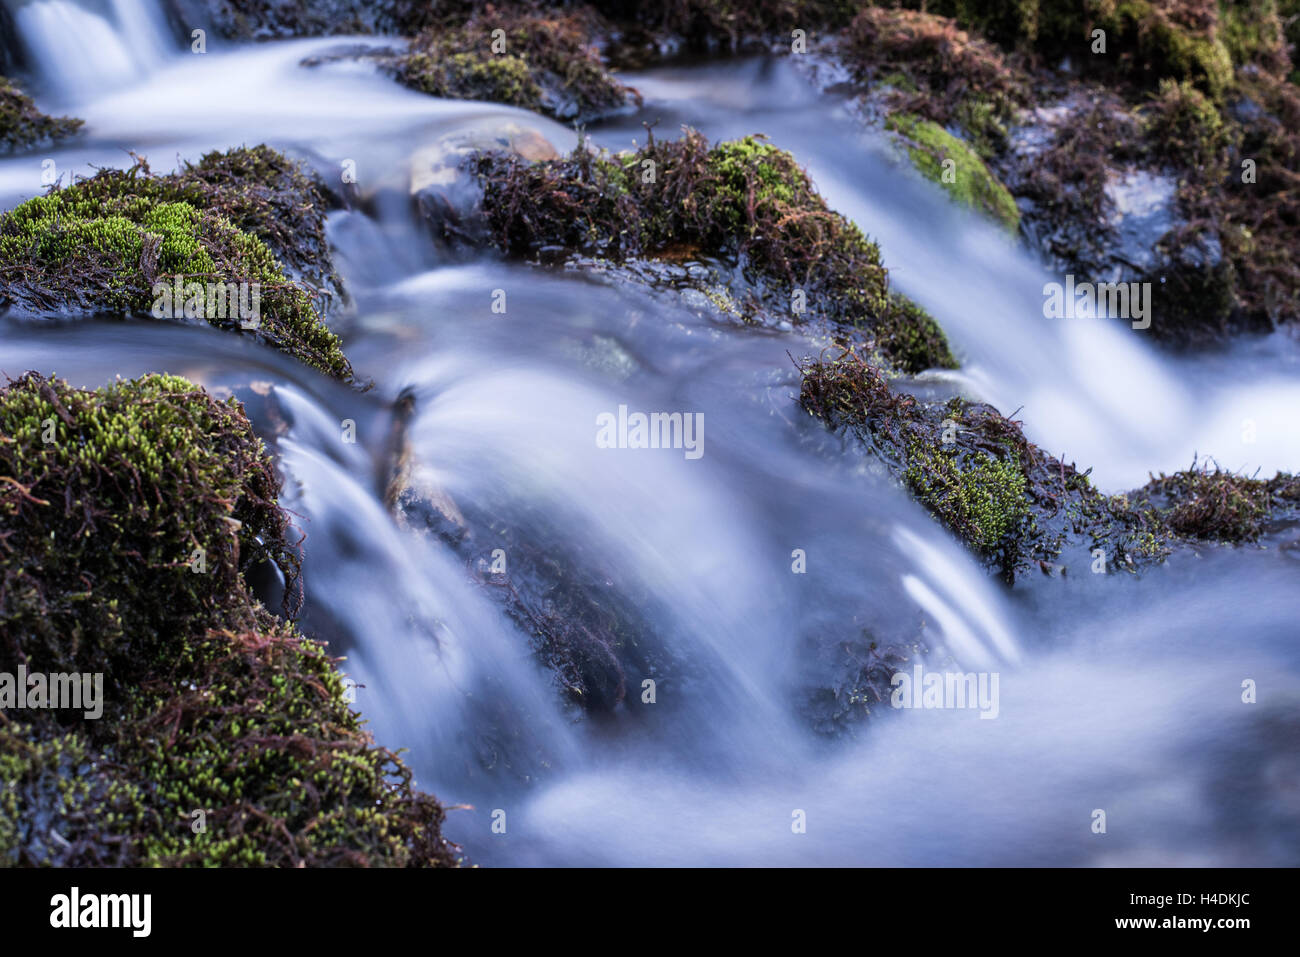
(1015, 506)
(1170, 108)
(130, 514)
(928, 63)
(23, 126)
(943, 158)
(121, 239)
(1207, 503)
(540, 60)
(265, 19)
(1153, 40)
(743, 204)
(1146, 40)
(709, 25)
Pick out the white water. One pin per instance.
(1118, 694)
(80, 48)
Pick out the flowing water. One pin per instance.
(1115, 693)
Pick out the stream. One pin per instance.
(1116, 693)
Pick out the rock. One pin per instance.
(210, 703)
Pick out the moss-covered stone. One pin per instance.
(1259, 199)
(1146, 40)
(1014, 505)
(734, 25)
(540, 60)
(129, 515)
(980, 498)
(946, 160)
(1209, 504)
(264, 19)
(953, 78)
(116, 241)
(1152, 40)
(930, 78)
(1191, 91)
(1181, 121)
(23, 126)
(743, 203)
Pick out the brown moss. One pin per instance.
(937, 71)
(1207, 503)
(911, 338)
(727, 24)
(541, 60)
(743, 202)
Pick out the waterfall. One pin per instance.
(78, 48)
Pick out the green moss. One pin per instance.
(1151, 45)
(1252, 32)
(941, 71)
(740, 164)
(1183, 122)
(106, 516)
(102, 243)
(899, 81)
(130, 515)
(467, 76)
(981, 499)
(1146, 40)
(23, 126)
(946, 160)
(1017, 507)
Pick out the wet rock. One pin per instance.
(277, 19)
(447, 197)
